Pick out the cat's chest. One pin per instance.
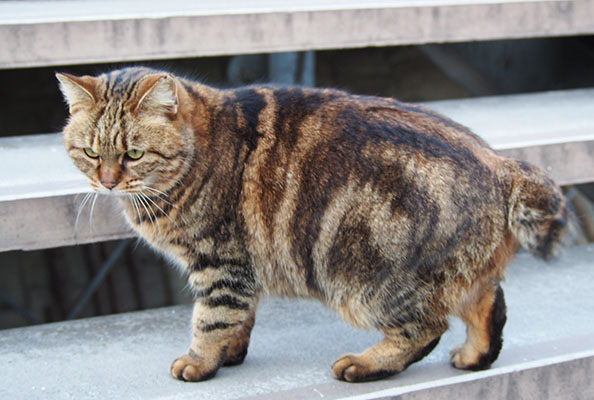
(173, 245)
(160, 233)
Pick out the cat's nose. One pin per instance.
(109, 183)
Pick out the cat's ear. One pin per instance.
(79, 92)
(157, 93)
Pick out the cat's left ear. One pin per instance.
(157, 92)
(79, 92)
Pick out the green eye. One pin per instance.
(89, 152)
(135, 154)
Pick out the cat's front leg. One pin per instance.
(222, 321)
(238, 348)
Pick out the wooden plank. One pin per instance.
(46, 222)
(566, 163)
(38, 33)
(526, 120)
(553, 130)
(52, 173)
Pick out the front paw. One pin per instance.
(192, 369)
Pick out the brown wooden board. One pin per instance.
(66, 32)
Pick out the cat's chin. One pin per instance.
(116, 193)
(124, 193)
(121, 194)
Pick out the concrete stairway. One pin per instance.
(548, 350)
(549, 337)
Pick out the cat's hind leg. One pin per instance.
(484, 318)
(393, 354)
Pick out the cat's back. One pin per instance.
(330, 137)
(289, 116)
(330, 170)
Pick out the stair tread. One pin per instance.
(293, 345)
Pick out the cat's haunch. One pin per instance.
(392, 215)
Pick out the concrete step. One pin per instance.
(548, 350)
(41, 33)
(554, 130)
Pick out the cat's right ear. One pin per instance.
(79, 92)
(157, 92)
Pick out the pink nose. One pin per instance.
(109, 183)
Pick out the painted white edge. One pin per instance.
(475, 375)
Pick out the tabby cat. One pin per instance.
(393, 216)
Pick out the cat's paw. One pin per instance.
(191, 369)
(464, 357)
(354, 368)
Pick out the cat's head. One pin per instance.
(124, 132)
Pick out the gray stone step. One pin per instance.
(41, 33)
(554, 130)
(548, 350)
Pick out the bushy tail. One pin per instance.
(538, 210)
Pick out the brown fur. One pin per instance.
(392, 215)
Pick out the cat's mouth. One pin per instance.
(127, 189)
(144, 201)
(118, 189)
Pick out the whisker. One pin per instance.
(156, 193)
(163, 200)
(76, 196)
(155, 190)
(138, 238)
(156, 205)
(147, 211)
(143, 197)
(131, 201)
(80, 208)
(174, 206)
(152, 211)
(91, 213)
(136, 208)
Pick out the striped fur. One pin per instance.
(392, 215)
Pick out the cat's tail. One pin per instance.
(539, 213)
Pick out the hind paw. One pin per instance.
(464, 357)
(353, 368)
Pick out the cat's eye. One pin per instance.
(89, 152)
(135, 154)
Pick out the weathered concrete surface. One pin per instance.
(549, 342)
(35, 33)
(557, 379)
